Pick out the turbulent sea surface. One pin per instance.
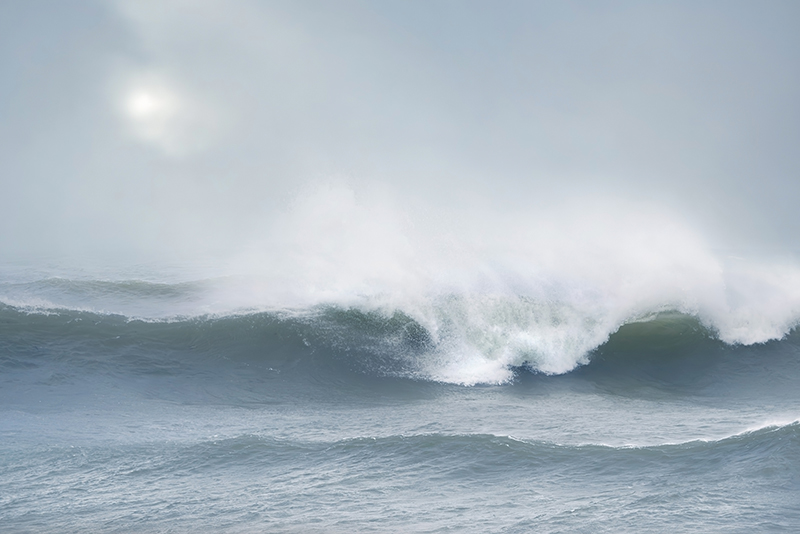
(156, 406)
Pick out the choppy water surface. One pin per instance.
(131, 406)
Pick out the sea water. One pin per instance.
(146, 405)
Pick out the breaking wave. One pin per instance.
(460, 339)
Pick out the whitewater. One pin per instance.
(484, 292)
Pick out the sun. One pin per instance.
(146, 105)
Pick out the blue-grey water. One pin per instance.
(121, 411)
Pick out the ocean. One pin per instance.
(134, 404)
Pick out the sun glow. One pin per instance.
(158, 111)
(149, 105)
(158, 115)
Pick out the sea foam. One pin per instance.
(492, 289)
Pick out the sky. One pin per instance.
(171, 129)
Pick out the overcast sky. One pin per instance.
(143, 125)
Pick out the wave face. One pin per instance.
(333, 343)
(461, 338)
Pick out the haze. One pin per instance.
(144, 130)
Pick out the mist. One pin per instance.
(176, 131)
